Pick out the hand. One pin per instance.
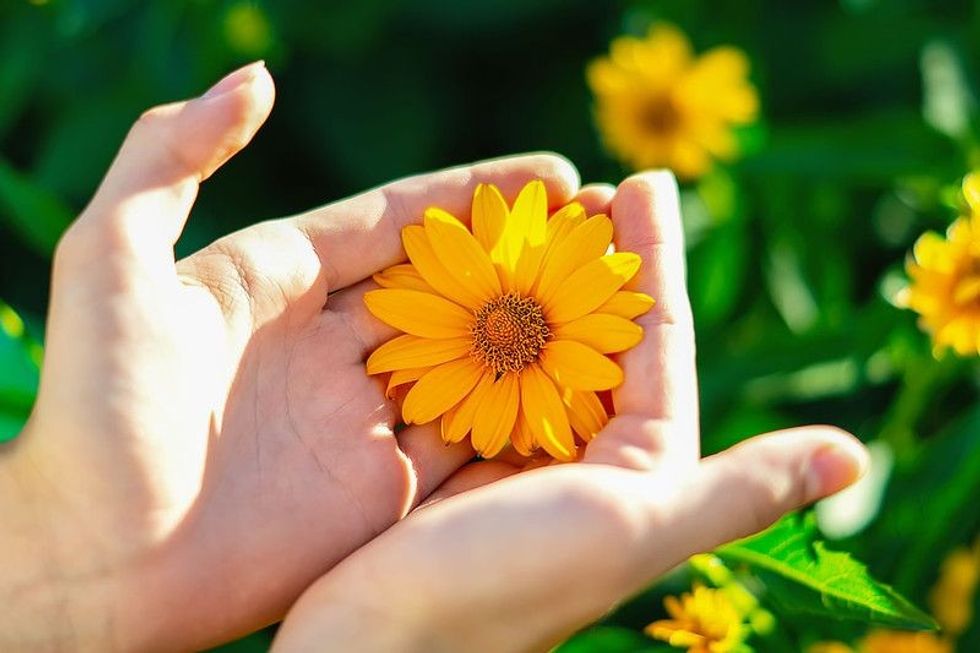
(498, 561)
(206, 442)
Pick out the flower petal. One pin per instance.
(587, 242)
(560, 225)
(401, 377)
(439, 390)
(522, 438)
(586, 414)
(545, 414)
(404, 276)
(591, 285)
(489, 215)
(461, 254)
(411, 351)
(627, 304)
(495, 416)
(522, 243)
(424, 258)
(419, 313)
(461, 421)
(603, 332)
(971, 190)
(576, 366)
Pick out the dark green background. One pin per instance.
(793, 252)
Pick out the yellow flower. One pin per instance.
(951, 599)
(507, 327)
(703, 621)
(659, 105)
(945, 279)
(897, 641)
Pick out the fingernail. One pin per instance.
(834, 467)
(234, 79)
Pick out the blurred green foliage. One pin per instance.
(795, 253)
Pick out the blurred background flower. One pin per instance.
(657, 105)
(945, 273)
(796, 244)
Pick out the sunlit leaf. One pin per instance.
(18, 373)
(802, 575)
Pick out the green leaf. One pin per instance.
(18, 373)
(933, 502)
(802, 575)
(30, 210)
(610, 639)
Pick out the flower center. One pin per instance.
(660, 116)
(508, 333)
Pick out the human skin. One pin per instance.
(501, 560)
(206, 443)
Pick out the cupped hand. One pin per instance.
(501, 561)
(206, 442)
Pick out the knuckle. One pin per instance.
(153, 118)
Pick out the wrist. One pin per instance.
(48, 603)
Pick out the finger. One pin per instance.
(362, 235)
(144, 200)
(659, 393)
(596, 198)
(474, 475)
(747, 488)
(432, 459)
(371, 332)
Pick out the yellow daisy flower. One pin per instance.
(507, 326)
(702, 621)
(945, 279)
(951, 599)
(659, 105)
(898, 641)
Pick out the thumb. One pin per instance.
(143, 202)
(747, 488)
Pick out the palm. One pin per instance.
(214, 441)
(545, 551)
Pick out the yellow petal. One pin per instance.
(445, 421)
(590, 286)
(495, 416)
(424, 258)
(522, 243)
(403, 276)
(461, 421)
(931, 251)
(627, 304)
(522, 438)
(439, 390)
(401, 377)
(489, 217)
(588, 241)
(560, 225)
(419, 313)
(411, 351)
(967, 292)
(461, 254)
(576, 366)
(605, 333)
(971, 190)
(586, 414)
(545, 414)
